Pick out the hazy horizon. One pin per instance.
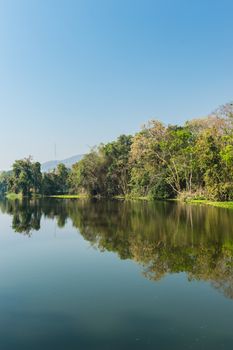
(79, 73)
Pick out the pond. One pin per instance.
(85, 274)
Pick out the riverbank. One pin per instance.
(85, 196)
(68, 196)
(136, 198)
(227, 205)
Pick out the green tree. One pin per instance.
(26, 177)
(62, 175)
(4, 178)
(118, 168)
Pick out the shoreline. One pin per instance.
(226, 205)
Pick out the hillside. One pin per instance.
(52, 164)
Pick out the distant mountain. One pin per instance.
(52, 164)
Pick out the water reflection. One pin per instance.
(162, 237)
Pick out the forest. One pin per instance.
(160, 161)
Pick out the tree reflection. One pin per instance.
(26, 217)
(162, 237)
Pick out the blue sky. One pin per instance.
(77, 73)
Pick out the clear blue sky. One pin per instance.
(77, 73)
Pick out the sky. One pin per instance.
(76, 73)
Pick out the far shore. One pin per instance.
(226, 205)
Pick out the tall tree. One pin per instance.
(26, 177)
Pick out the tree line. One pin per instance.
(27, 179)
(160, 161)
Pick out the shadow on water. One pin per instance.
(162, 237)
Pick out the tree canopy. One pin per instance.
(160, 161)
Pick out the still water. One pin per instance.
(78, 274)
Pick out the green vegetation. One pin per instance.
(227, 205)
(189, 162)
(4, 176)
(12, 195)
(68, 196)
(27, 180)
(193, 161)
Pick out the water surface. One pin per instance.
(78, 274)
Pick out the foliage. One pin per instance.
(193, 161)
(4, 176)
(56, 182)
(26, 177)
(104, 171)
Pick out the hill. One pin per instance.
(52, 164)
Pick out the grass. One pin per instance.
(12, 195)
(132, 197)
(71, 196)
(227, 205)
(68, 196)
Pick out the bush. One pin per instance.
(186, 196)
(226, 192)
(162, 190)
